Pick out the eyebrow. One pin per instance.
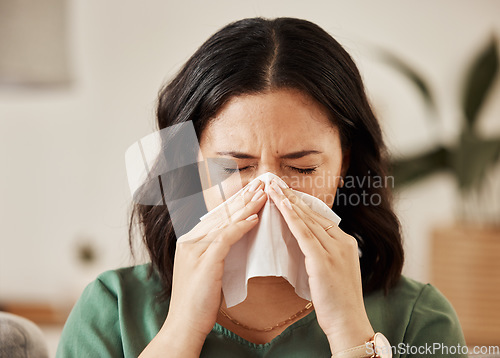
(293, 155)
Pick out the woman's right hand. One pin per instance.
(198, 269)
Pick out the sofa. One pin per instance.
(20, 338)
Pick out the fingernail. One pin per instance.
(254, 185)
(277, 188)
(251, 217)
(287, 203)
(281, 183)
(258, 195)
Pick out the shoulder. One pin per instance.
(414, 313)
(409, 293)
(403, 296)
(129, 292)
(117, 314)
(140, 277)
(429, 308)
(423, 299)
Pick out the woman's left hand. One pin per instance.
(332, 264)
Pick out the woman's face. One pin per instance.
(284, 132)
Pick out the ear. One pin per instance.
(346, 160)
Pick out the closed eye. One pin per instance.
(299, 170)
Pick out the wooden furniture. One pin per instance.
(466, 269)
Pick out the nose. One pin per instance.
(273, 168)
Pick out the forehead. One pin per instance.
(279, 116)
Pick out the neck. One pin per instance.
(269, 301)
(269, 290)
(268, 296)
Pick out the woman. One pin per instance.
(278, 96)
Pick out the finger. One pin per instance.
(204, 232)
(223, 215)
(297, 200)
(235, 202)
(327, 238)
(334, 232)
(221, 242)
(316, 228)
(252, 207)
(203, 242)
(225, 211)
(304, 236)
(323, 237)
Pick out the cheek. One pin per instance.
(323, 188)
(322, 185)
(217, 194)
(328, 198)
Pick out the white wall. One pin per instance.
(62, 151)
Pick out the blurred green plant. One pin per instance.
(86, 252)
(471, 157)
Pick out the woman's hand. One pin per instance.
(198, 270)
(332, 264)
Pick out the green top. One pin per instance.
(118, 314)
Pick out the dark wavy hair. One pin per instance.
(254, 56)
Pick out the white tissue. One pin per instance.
(269, 249)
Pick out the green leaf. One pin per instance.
(472, 160)
(412, 75)
(406, 171)
(479, 80)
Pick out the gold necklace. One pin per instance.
(268, 329)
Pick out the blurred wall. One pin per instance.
(62, 149)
